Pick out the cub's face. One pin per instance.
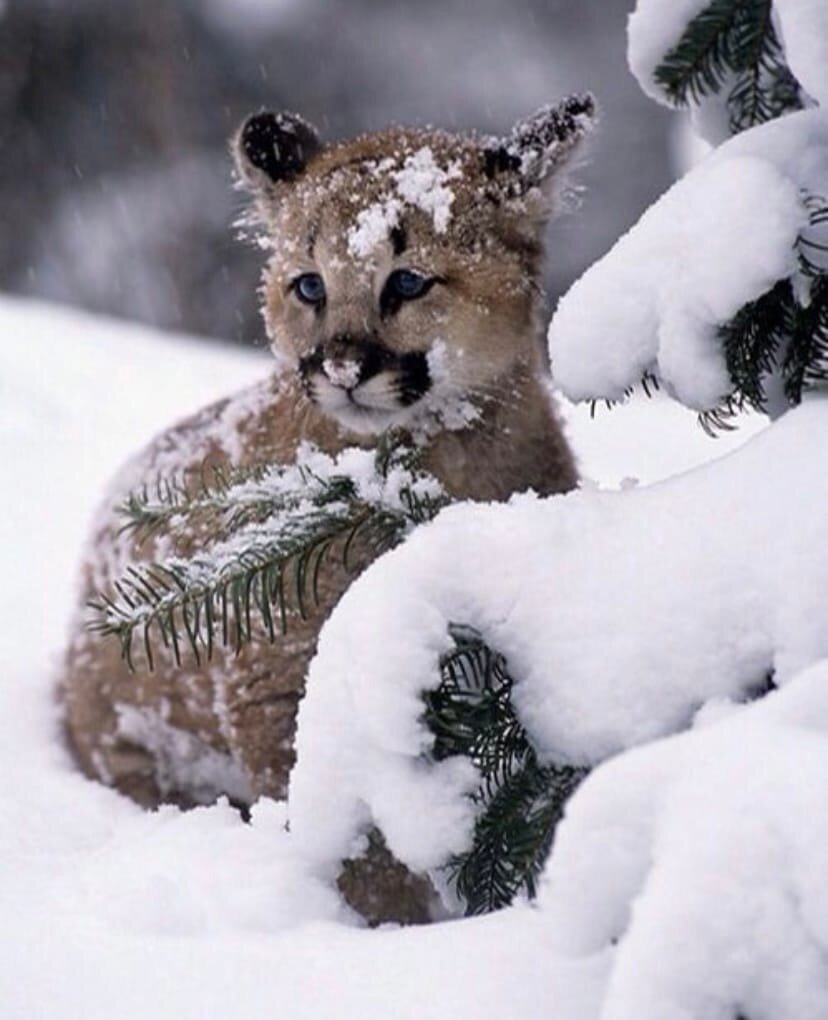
(403, 278)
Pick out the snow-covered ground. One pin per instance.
(108, 911)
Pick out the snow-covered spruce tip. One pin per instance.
(733, 63)
(720, 291)
(720, 238)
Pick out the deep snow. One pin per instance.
(113, 912)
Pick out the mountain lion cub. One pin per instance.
(402, 288)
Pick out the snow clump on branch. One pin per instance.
(718, 239)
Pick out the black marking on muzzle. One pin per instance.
(415, 377)
(309, 364)
(370, 356)
(373, 358)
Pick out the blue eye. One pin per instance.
(310, 288)
(408, 284)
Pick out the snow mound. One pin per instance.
(701, 858)
(719, 238)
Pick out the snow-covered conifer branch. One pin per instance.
(782, 335)
(731, 46)
(230, 496)
(692, 293)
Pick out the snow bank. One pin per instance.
(720, 237)
(702, 858)
(621, 615)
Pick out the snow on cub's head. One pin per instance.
(404, 271)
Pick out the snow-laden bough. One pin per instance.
(619, 616)
(719, 238)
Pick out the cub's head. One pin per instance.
(404, 271)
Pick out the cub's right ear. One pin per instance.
(273, 147)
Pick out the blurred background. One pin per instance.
(115, 185)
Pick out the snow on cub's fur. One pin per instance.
(402, 288)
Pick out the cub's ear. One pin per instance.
(538, 147)
(273, 147)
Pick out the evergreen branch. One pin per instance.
(649, 381)
(648, 384)
(273, 528)
(752, 340)
(785, 330)
(513, 837)
(519, 801)
(765, 87)
(229, 499)
(721, 418)
(806, 359)
(731, 40)
(222, 594)
(700, 61)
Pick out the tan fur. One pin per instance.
(186, 734)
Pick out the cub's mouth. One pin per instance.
(363, 384)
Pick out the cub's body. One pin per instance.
(188, 733)
(402, 289)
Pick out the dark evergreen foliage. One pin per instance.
(784, 333)
(519, 801)
(732, 45)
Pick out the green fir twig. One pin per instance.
(519, 801)
(269, 530)
(699, 63)
(731, 44)
(226, 499)
(785, 330)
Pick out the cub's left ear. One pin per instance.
(540, 146)
(273, 147)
